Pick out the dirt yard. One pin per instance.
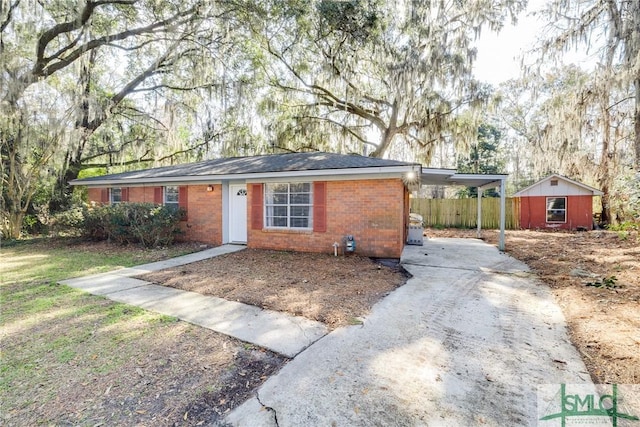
(595, 277)
(334, 290)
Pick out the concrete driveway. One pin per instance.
(464, 342)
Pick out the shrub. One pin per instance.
(94, 223)
(68, 222)
(145, 223)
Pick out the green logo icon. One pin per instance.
(589, 405)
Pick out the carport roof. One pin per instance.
(451, 177)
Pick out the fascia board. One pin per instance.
(354, 173)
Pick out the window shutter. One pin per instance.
(320, 206)
(104, 195)
(182, 200)
(125, 194)
(157, 196)
(256, 206)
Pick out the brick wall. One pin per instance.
(204, 219)
(94, 195)
(373, 211)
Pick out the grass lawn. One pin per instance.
(70, 358)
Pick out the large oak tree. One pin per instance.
(371, 76)
(70, 68)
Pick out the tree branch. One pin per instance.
(9, 16)
(347, 128)
(42, 69)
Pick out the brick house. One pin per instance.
(299, 201)
(557, 202)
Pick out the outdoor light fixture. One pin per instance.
(209, 188)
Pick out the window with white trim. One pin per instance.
(115, 195)
(171, 197)
(556, 209)
(288, 205)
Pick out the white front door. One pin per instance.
(238, 213)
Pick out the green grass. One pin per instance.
(52, 332)
(51, 261)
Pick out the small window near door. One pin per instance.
(171, 197)
(115, 196)
(556, 209)
(242, 192)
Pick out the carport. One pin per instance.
(450, 177)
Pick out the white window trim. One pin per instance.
(165, 202)
(546, 213)
(266, 205)
(111, 201)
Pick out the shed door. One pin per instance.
(238, 213)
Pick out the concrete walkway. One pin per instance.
(465, 342)
(282, 333)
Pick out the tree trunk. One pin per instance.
(15, 220)
(389, 133)
(604, 167)
(637, 125)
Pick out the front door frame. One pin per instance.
(237, 219)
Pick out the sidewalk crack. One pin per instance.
(268, 408)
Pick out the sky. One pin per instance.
(497, 59)
(498, 54)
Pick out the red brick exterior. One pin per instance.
(204, 210)
(374, 211)
(533, 213)
(94, 195)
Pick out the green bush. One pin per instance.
(145, 223)
(94, 223)
(68, 222)
(154, 226)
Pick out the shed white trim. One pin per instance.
(539, 188)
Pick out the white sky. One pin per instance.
(497, 59)
(499, 54)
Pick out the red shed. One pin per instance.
(557, 202)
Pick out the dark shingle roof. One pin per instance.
(253, 165)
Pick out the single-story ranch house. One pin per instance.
(304, 202)
(300, 201)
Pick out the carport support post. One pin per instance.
(503, 191)
(479, 231)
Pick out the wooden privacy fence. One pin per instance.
(463, 213)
